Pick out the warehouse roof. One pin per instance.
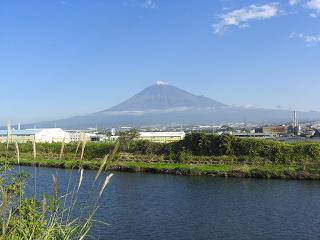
(20, 132)
(317, 133)
(162, 134)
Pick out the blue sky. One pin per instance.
(64, 58)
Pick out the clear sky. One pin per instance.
(64, 58)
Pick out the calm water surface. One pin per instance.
(146, 206)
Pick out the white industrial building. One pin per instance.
(79, 135)
(47, 135)
(162, 137)
(50, 135)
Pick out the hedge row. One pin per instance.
(194, 145)
(200, 144)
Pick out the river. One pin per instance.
(148, 206)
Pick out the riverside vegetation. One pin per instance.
(43, 217)
(197, 154)
(48, 216)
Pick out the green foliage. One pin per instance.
(184, 157)
(52, 150)
(146, 147)
(98, 150)
(128, 136)
(195, 147)
(27, 218)
(251, 151)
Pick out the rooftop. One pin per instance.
(20, 132)
(162, 134)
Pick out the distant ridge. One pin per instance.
(163, 105)
(164, 97)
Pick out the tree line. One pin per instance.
(195, 145)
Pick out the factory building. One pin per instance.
(253, 135)
(78, 135)
(276, 130)
(48, 135)
(162, 137)
(317, 133)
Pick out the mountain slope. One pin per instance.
(164, 97)
(185, 117)
(167, 105)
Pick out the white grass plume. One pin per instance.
(80, 179)
(62, 148)
(34, 148)
(18, 152)
(105, 159)
(105, 183)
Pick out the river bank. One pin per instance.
(197, 154)
(266, 171)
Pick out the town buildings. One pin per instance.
(47, 135)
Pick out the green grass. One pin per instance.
(263, 171)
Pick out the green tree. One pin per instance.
(128, 136)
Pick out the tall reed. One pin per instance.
(62, 148)
(81, 138)
(84, 142)
(8, 138)
(34, 148)
(29, 218)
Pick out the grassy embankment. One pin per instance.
(198, 154)
(221, 170)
